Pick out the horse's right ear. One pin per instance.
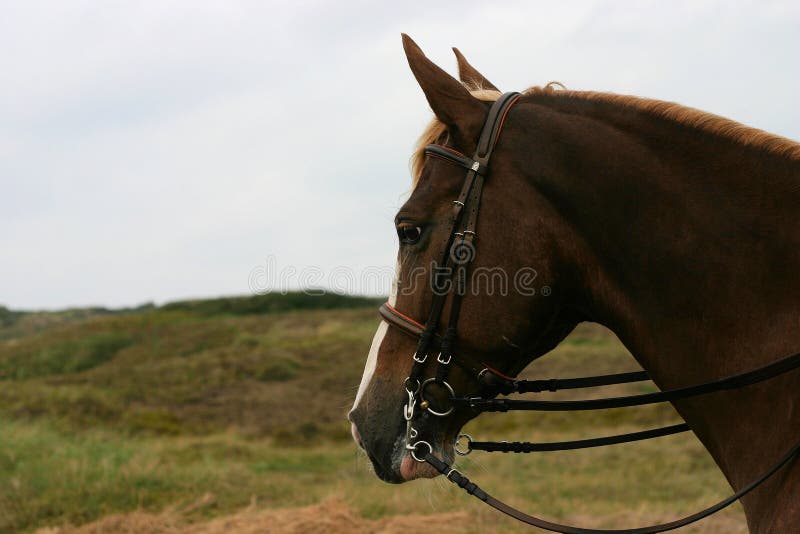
(462, 113)
(469, 75)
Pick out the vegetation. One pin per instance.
(244, 399)
(270, 303)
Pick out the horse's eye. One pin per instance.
(409, 234)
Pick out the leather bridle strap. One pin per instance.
(557, 384)
(503, 384)
(476, 168)
(475, 368)
(470, 487)
(399, 320)
(460, 250)
(736, 381)
(552, 446)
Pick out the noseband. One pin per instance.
(458, 252)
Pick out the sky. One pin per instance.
(158, 150)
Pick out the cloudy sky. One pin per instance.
(158, 150)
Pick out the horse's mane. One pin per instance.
(671, 111)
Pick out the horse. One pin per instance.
(674, 228)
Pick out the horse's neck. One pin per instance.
(690, 239)
(692, 249)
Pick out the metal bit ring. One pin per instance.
(422, 397)
(414, 450)
(469, 443)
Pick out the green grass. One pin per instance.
(52, 477)
(155, 408)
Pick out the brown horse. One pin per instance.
(674, 228)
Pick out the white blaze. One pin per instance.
(377, 341)
(372, 361)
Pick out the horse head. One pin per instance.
(510, 310)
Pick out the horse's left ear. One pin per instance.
(469, 75)
(462, 113)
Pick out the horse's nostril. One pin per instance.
(354, 429)
(356, 435)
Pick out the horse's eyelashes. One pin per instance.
(409, 234)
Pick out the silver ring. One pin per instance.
(469, 442)
(410, 390)
(414, 450)
(422, 397)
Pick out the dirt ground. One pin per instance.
(330, 516)
(335, 516)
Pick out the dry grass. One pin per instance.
(332, 515)
(335, 516)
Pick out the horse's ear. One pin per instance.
(469, 75)
(462, 113)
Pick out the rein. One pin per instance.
(450, 281)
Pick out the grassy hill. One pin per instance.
(240, 402)
(193, 367)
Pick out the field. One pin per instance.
(228, 415)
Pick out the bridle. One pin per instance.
(458, 251)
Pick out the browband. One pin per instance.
(454, 156)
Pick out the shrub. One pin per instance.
(270, 303)
(70, 356)
(277, 367)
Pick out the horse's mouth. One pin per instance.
(411, 469)
(399, 465)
